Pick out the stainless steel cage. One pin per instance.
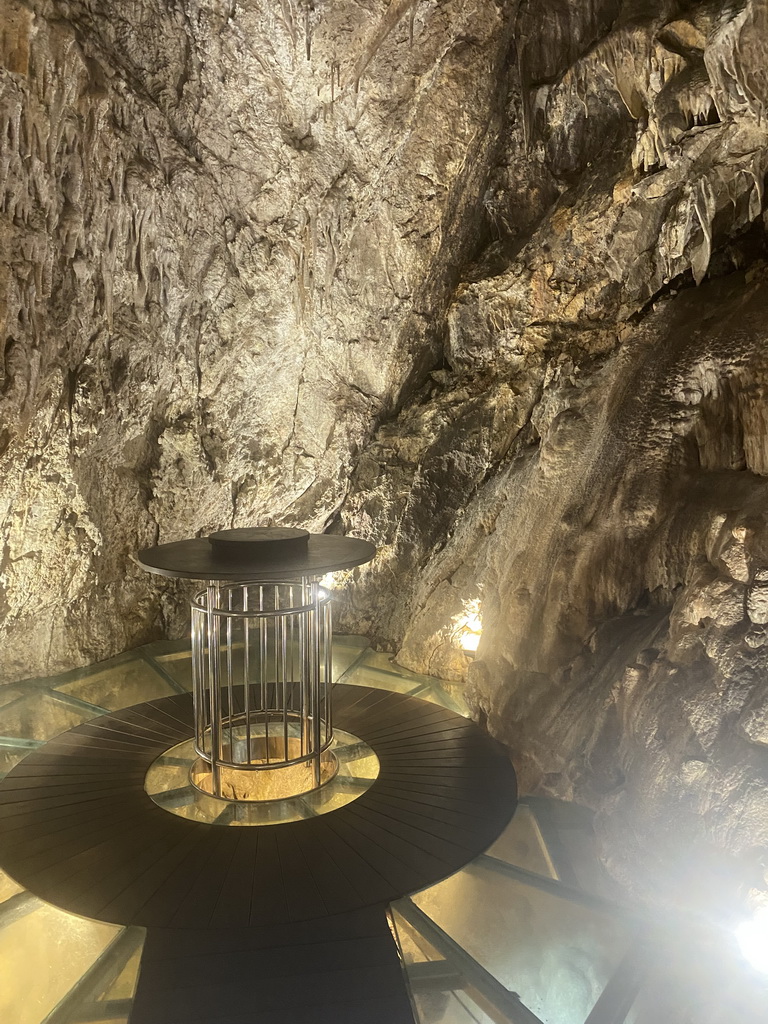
(261, 660)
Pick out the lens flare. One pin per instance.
(752, 936)
(467, 626)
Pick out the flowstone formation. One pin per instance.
(483, 283)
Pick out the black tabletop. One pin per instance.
(199, 560)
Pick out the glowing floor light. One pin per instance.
(467, 626)
(752, 936)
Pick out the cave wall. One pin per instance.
(226, 230)
(485, 283)
(589, 465)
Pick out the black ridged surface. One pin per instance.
(200, 560)
(78, 830)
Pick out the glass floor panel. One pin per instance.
(522, 843)
(556, 954)
(380, 670)
(8, 887)
(33, 717)
(39, 716)
(449, 1008)
(174, 659)
(12, 750)
(43, 955)
(10, 693)
(118, 683)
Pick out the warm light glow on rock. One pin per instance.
(468, 626)
(266, 784)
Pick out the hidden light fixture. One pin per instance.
(752, 937)
(467, 627)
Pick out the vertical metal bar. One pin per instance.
(295, 662)
(247, 672)
(303, 671)
(328, 641)
(280, 676)
(263, 672)
(212, 596)
(315, 676)
(291, 646)
(206, 656)
(286, 677)
(198, 692)
(230, 671)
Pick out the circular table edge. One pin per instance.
(196, 559)
(78, 829)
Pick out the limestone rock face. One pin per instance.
(589, 467)
(484, 283)
(226, 231)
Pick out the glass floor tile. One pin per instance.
(348, 651)
(118, 683)
(531, 932)
(10, 692)
(173, 658)
(12, 750)
(522, 843)
(33, 717)
(380, 670)
(40, 715)
(556, 954)
(43, 955)
(8, 887)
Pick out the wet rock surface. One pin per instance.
(485, 284)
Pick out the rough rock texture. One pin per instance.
(590, 463)
(226, 231)
(486, 283)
